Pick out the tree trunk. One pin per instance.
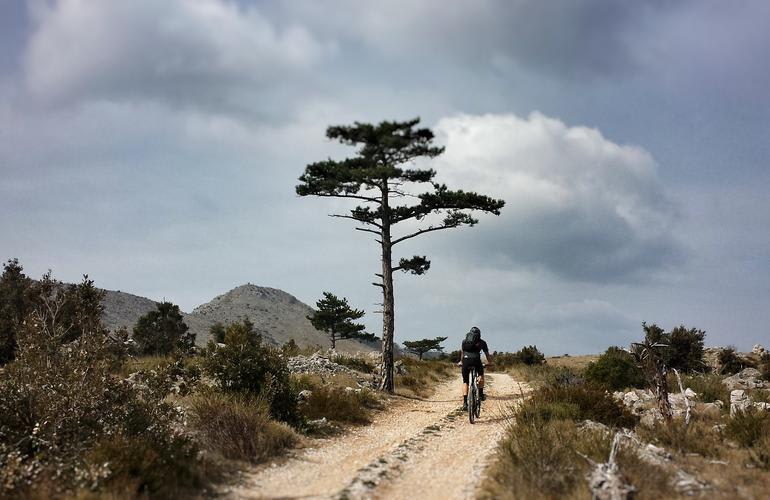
(661, 383)
(388, 325)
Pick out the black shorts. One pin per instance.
(468, 363)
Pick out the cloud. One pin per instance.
(177, 51)
(567, 38)
(577, 204)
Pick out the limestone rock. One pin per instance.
(748, 378)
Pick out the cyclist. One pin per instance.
(470, 356)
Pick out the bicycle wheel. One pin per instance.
(472, 404)
(477, 408)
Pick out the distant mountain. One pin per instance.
(278, 315)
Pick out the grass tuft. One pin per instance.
(238, 427)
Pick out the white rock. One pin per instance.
(758, 350)
(739, 401)
(631, 399)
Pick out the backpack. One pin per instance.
(471, 339)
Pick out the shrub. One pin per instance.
(708, 387)
(747, 427)
(14, 306)
(290, 348)
(339, 404)
(616, 369)
(729, 361)
(244, 365)
(575, 402)
(238, 426)
(163, 331)
(685, 349)
(61, 407)
(530, 355)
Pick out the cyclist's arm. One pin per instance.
(488, 356)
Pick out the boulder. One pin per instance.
(748, 378)
(739, 401)
(759, 350)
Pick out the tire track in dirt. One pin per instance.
(411, 449)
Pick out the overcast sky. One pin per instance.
(156, 147)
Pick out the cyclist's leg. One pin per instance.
(480, 371)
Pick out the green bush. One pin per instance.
(708, 387)
(729, 361)
(685, 349)
(244, 365)
(238, 427)
(747, 427)
(163, 331)
(530, 356)
(616, 369)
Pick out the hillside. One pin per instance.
(123, 309)
(278, 315)
(275, 313)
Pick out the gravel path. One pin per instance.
(417, 448)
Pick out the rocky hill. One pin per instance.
(278, 315)
(123, 309)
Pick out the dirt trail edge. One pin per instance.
(417, 448)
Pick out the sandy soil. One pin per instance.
(422, 448)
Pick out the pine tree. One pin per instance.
(15, 304)
(336, 319)
(374, 177)
(420, 347)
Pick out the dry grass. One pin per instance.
(238, 427)
(339, 404)
(540, 460)
(697, 438)
(422, 376)
(576, 363)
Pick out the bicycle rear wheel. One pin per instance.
(472, 404)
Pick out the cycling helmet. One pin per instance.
(475, 330)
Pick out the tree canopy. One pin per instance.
(420, 347)
(163, 331)
(336, 319)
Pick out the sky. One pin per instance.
(156, 146)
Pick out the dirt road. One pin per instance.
(418, 448)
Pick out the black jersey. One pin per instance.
(475, 350)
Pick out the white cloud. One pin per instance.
(174, 49)
(577, 204)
